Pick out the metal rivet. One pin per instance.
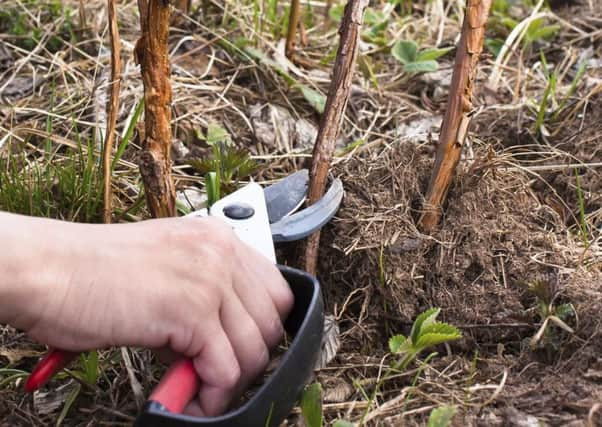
(239, 211)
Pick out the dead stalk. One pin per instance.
(457, 116)
(155, 158)
(82, 15)
(293, 23)
(112, 110)
(331, 120)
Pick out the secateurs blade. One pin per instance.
(259, 216)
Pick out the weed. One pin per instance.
(545, 113)
(426, 332)
(11, 375)
(311, 408)
(311, 405)
(441, 416)
(87, 372)
(65, 186)
(227, 166)
(28, 34)
(546, 292)
(417, 61)
(128, 132)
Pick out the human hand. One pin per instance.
(185, 284)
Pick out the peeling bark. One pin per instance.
(112, 110)
(155, 158)
(457, 116)
(330, 123)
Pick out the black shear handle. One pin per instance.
(274, 400)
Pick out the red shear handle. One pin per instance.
(178, 386)
(53, 362)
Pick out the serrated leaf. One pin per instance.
(437, 334)
(397, 344)
(404, 51)
(441, 416)
(431, 54)
(421, 67)
(430, 340)
(203, 165)
(311, 405)
(342, 423)
(439, 328)
(429, 316)
(315, 99)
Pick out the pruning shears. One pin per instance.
(259, 216)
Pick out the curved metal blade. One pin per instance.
(286, 196)
(307, 221)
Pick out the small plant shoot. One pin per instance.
(416, 60)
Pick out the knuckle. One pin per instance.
(262, 360)
(256, 362)
(275, 332)
(283, 298)
(232, 374)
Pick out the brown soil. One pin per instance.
(498, 235)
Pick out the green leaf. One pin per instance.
(203, 165)
(216, 133)
(429, 317)
(91, 367)
(439, 328)
(441, 416)
(538, 31)
(434, 53)
(311, 405)
(421, 67)
(315, 99)
(509, 23)
(127, 134)
(494, 45)
(563, 311)
(436, 333)
(342, 423)
(398, 344)
(212, 187)
(404, 51)
(430, 340)
(500, 6)
(68, 403)
(374, 17)
(545, 32)
(336, 12)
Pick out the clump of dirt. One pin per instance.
(379, 272)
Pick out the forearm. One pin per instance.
(27, 265)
